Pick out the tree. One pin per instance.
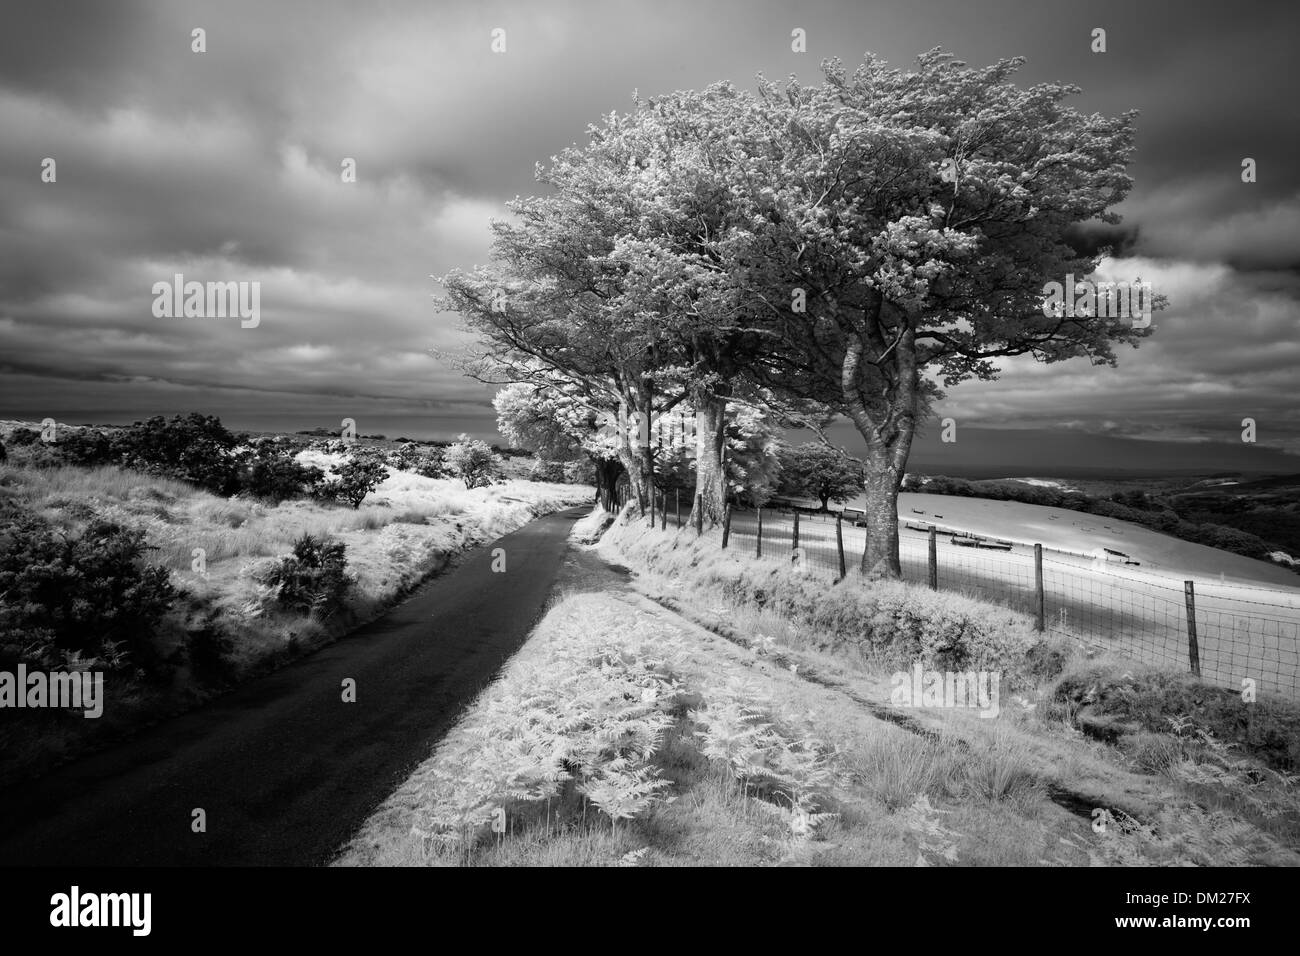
(195, 448)
(472, 461)
(357, 477)
(812, 470)
(903, 228)
(557, 424)
(611, 282)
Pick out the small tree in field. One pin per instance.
(472, 461)
(812, 470)
(357, 478)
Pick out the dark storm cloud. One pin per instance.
(225, 166)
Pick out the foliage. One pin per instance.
(589, 712)
(86, 596)
(472, 461)
(313, 579)
(270, 474)
(543, 469)
(354, 479)
(195, 448)
(812, 470)
(1267, 729)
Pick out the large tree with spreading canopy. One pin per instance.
(903, 227)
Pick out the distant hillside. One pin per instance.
(1258, 517)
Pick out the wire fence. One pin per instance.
(1225, 633)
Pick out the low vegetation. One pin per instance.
(177, 591)
(885, 624)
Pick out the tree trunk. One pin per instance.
(880, 557)
(710, 469)
(881, 399)
(608, 471)
(634, 450)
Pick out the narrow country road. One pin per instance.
(282, 767)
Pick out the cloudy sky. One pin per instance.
(225, 165)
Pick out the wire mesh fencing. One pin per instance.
(1227, 633)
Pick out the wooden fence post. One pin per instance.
(677, 497)
(839, 544)
(663, 512)
(1193, 648)
(652, 506)
(758, 547)
(726, 525)
(1039, 604)
(934, 560)
(794, 546)
(699, 514)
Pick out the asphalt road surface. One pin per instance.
(283, 768)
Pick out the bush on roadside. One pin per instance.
(78, 598)
(313, 579)
(885, 623)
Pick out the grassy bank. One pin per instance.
(712, 725)
(226, 624)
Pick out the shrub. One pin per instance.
(85, 447)
(580, 472)
(472, 461)
(1267, 728)
(431, 464)
(543, 470)
(357, 477)
(313, 579)
(1155, 753)
(887, 623)
(20, 437)
(405, 457)
(277, 477)
(195, 448)
(65, 596)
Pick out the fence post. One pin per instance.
(699, 514)
(839, 544)
(1193, 648)
(652, 506)
(726, 525)
(794, 546)
(934, 560)
(1039, 605)
(663, 512)
(758, 547)
(677, 498)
